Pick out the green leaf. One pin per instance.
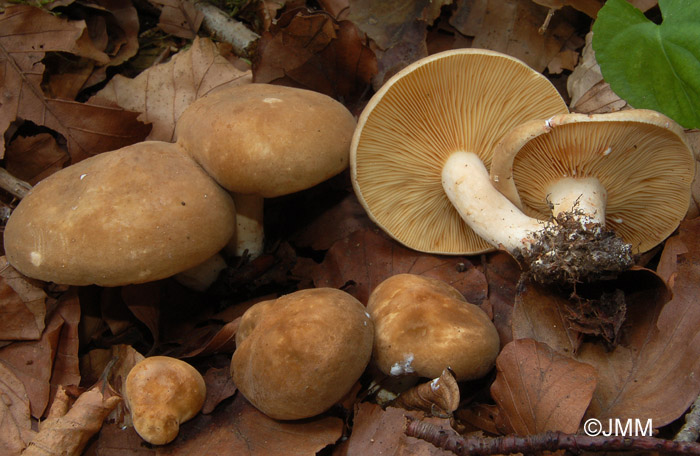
(652, 66)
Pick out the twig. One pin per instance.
(548, 441)
(222, 27)
(14, 186)
(691, 429)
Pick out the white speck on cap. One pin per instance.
(403, 367)
(35, 258)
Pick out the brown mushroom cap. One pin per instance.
(267, 140)
(423, 325)
(640, 157)
(459, 100)
(300, 354)
(137, 214)
(161, 393)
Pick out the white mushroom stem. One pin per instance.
(587, 195)
(250, 234)
(490, 214)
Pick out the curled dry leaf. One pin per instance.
(359, 262)
(162, 92)
(219, 387)
(32, 158)
(179, 17)
(22, 304)
(240, 429)
(67, 435)
(438, 397)
(15, 419)
(647, 375)
(539, 390)
(26, 34)
(379, 431)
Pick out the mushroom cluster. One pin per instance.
(298, 355)
(423, 147)
(154, 209)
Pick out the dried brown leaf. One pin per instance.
(219, 387)
(67, 435)
(378, 431)
(512, 27)
(223, 341)
(502, 274)
(15, 419)
(26, 33)
(143, 300)
(22, 304)
(33, 158)
(590, 7)
(647, 375)
(32, 363)
(179, 18)
(240, 429)
(438, 397)
(540, 390)
(358, 263)
(162, 92)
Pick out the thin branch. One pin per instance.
(222, 27)
(548, 441)
(13, 185)
(691, 429)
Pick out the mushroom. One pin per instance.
(137, 214)
(615, 184)
(416, 131)
(423, 325)
(260, 141)
(298, 355)
(161, 393)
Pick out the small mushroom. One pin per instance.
(298, 355)
(137, 214)
(457, 103)
(423, 326)
(622, 181)
(260, 141)
(162, 393)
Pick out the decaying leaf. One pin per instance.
(240, 429)
(646, 375)
(163, 91)
(219, 387)
(26, 34)
(358, 263)
(540, 390)
(15, 419)
(438, 397)
(67, 435)
(32, 158)
(590, 7)
(379, 431)
(66, 369)
(22, 304)
(179, 17)
(512, 27)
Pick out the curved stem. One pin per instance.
(490, 214)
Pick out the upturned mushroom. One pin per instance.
(161, 393)
(298, 355)
(137, 214)
(423, 326)
(260, 141)
(613, 185)
(424, 126)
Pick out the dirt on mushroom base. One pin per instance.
(570, 250)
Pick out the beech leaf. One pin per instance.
(26, 33)
(540, 390)
(652, 66)
(15, 419)
(179, 17)
(22, 304)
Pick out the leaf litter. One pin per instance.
(549, 376)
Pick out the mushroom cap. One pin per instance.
(423, 325)
(458, 100)
(137, 214)
(300, 354)
(265, 139)
(161, 393)
(640, 157)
